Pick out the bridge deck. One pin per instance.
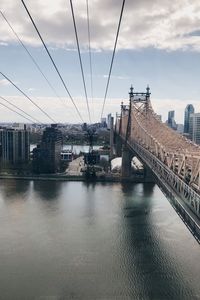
(167, 137)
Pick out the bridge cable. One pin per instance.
(90, 55)
(46, 114)
(16, 112)
(20, 109)
(113, 55)
(31, 57)
(80, 60)
(54, 64)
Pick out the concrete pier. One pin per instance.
(126, 162)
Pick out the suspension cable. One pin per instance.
(31, 57)
(20, 109)
(46, 114)
(90, 55)
(113, 55)
(80, 60)
(56, 68)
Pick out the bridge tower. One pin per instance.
(127, 155)
(141, 99)
(111, 138)
(117, 139)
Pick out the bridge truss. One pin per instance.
(174, 160)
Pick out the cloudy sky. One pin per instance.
(159, 45)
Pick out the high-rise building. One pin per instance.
(15, 146)
(194, 127)
(47, 155)
(109, 121)
(171, 121)
(188, 111)
(103, 122)
(180, 128)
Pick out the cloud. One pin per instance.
(63, 111)
(32, 89)
(166, 24)
(4, 82)
(3, 44)
(117, 77)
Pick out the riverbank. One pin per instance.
(74, 173)
(61, 177)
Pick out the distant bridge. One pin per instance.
(173, 159)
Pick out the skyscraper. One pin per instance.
(109, 121)
(15, 147)
(171, 122)
(188, 111)
(194, 127)
(47, 155)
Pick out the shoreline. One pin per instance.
(108, 178)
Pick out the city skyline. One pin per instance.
(160, 48)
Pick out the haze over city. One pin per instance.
(159, 45)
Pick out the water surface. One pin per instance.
(72, 240)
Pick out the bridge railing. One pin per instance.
(171, 183)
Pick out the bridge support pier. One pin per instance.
(148, 175)
(111, 138)
(118, 146)
(126, 162)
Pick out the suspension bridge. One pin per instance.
(173, 160)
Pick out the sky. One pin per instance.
(159, 45)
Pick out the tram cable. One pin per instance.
(32, 58)
(35, 104)
(80, 60)
(113, 55)
(90, 56)
(20, 109)
(54, 64)
(16, 112)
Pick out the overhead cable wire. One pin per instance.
(113, 55)
(54, 64)
(46, 114)
(90, 55)
(20, 109)
(16, 112)
(31, 57)
(80, 60)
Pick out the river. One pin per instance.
(72, 240)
